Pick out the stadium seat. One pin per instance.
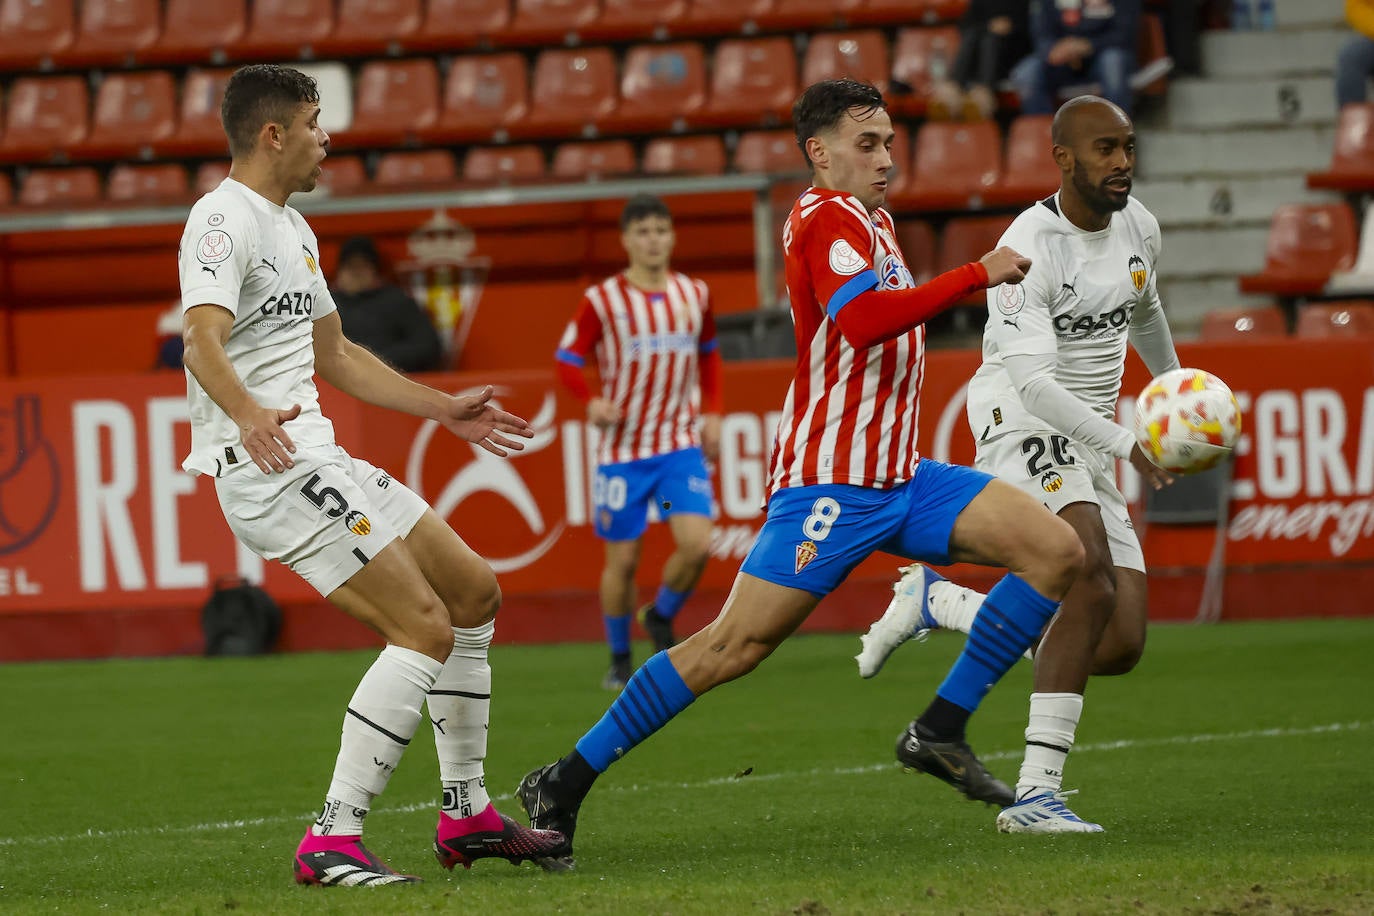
(598, 159)
(483, 96)
(1352, 159)
(809, 14)
(1307, 243)
(770, 152)
(503, 164)
(44, 115)
(342, 175)
(918, 57)
(906, 12)
(393, 101)
(917, 240)
(426, 168)
(1243, 323)
(372, 27)
(209, 175)
(1152, 56)
(194, 31)
(1335, 319)
(550, 22)
(161, 183)
(635, 20)
(861, 55)
(754, 81)
(6, 190)
(723, 17)
(70, 187)
(572, 91)
(335, 85)
(133, 112)
(286, 28)
(967, 239)
(199, 132)
(899, 179)
(113, 33)
(31, 33)
(684, 156)
(457, 25)
(953, 168)
(1029, 172)
(663, 86)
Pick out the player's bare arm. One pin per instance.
(710, 435)
(205, 330)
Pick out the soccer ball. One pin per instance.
(1187, 421)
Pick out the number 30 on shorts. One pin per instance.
(824, 513)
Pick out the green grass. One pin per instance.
(1234, 771)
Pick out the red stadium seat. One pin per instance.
(428, 168)
(1029, 172)
(809, 14)
(1335, 319)
(917, 240)
(549, 22)
(954, 166)
(724, 17)
(635, 20)
(573, 90)
(44, 115)
(1244, 323)
(484, 95)
(1352, 160)
(769, 152)
(904, 12)
(861, 55)
(684, 156)
(6, 190)
(71, 187)
(162, 183)
(456, 25)
(209, 175)
(600, 159)
(31, 33)
(113, 32)
(343, 175)
(393, 101)
(753, 82)
(133, 112)
(504, 164)
(1307, 243)
(967, 239)
(899, 179)
(919, 56)
(1152, 55)
(663, 86)
(202, 32)
(372, 27)
(286, 28)
(199, 132)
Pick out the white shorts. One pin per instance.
(325, 518)
(1058, 472)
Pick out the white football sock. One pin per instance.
(459, 708)
(1049, 736)
(954, 606)
(381, 720)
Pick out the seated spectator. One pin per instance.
(169, 343)
(1356, 60)
(1078, 42)
(993, 36)
(380, 315)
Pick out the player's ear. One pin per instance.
(271, 135)
(1063, 157)
(816, 152)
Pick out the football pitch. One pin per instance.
(1233, 770)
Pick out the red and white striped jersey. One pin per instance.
(850, 416)
(647, 347)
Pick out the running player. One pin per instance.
(846, 479)
(258, 323)
(655, 341)
(1042, 408)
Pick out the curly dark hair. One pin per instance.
(262, 94)
(823, 104)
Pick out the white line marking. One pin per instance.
(1123, 745)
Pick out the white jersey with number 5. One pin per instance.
(260, 261)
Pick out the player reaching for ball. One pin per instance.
(1041, 407)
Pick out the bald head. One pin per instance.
(1086, 116)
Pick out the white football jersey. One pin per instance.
(261, 262)
(1076, 304)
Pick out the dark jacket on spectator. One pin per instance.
(1105, 23)
(388, 322)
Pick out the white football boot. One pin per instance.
(1044, 812)
(907, 616)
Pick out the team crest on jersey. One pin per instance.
(806, 552)
(358, 523)
(895, 274)
(214, 246)
(1137, 267)
(1010, 298)
(309, 260)
(1051, 481)
(844, 260)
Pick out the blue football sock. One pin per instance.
(1012, 616)
(654, 695)
(668, 602)
(617, 634)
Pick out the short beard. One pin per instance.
(1095, 198)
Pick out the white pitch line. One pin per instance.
(1123, 745)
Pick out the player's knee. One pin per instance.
(696, 550)
(1060, 554)
(430, 632)
(1121, 658)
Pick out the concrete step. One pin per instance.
(1224, 251)
(1187, 301)
(1231, 153)
(1204, 104)
(1238, 201)
(1286, 53)
(1292, 13)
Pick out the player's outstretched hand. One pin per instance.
(1005, 265)
(265, 441)
(1153, 474)
(470, 417)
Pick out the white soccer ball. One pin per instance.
(1187, 421)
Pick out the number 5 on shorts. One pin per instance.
(824, 513)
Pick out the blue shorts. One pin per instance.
(816, 535)
(677, 482)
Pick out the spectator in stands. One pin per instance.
(1079, 42)
(1356, 60)
(169, 342)
(993, 36)
(380, 315)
